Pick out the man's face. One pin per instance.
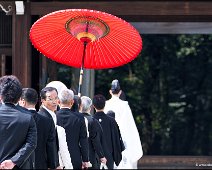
(51, 100)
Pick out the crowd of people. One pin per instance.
(63, 133)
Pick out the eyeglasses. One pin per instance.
(52, 100)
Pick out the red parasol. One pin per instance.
(85, 38)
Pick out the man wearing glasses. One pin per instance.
(49, 99)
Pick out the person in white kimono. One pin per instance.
(64, 155)
(129, 132)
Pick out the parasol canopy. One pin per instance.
(86, 38)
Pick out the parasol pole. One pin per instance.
(83, 58)
(82, 70)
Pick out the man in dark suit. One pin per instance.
(49, 99)
(18, 134)
(45, 151)
(74, 125)
(112, 146)
(96, 154)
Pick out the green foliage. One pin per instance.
(64, 74)
(169, 89)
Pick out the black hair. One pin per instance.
(111, 114)
(30, 95)
(10, 89)
(99, 101)
(115, 86)
(77, 102)
(45, 90)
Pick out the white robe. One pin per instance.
(64, 155)
(129, 132)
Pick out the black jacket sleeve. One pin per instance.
(95, 137)
(26, 150)
(117, 143)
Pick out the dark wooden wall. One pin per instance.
(140, 11)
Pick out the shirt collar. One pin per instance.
(65, 108)
(32, 109)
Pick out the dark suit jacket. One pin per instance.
(45, 143)
(76, 136)
(111, 139)
(18, 135)
(31, 159)
(48, 141)
(94, 140)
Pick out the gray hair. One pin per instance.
(65, 96)
(86, 103)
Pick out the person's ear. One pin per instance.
(80, 107)
(119, 94)
(42, 100)
(22, 102)
(111, 93)
(72, 102)
(90, 109)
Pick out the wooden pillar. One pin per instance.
(51, 70)
(43, 72)
(21, 48)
